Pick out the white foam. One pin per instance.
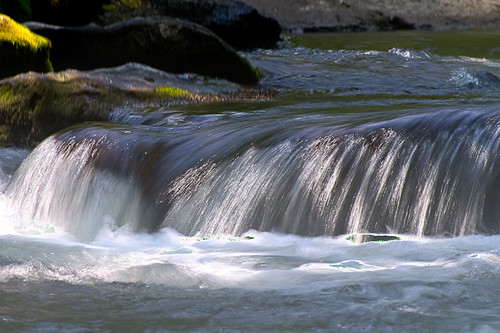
(256, 261)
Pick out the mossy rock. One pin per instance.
(34, 106)
(21, 50)
(168, 44)
(19, 10)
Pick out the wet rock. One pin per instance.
(237, 23)
(355, 15)
(34, 106)
(21, 50)
(365, 238)
(167, 44)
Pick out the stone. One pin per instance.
(167, 44)
(237, 23)
(35, 105)
(21, 50)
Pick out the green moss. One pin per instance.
(3, 138)
(132, 3)
(5, 94)
(17, 34)
(21, 50)
(173, 92)
(258, 74)
(109, 7)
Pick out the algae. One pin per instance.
(132, 3)
(173, 92)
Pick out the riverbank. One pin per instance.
(362, 15)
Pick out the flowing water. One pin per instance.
(363, 198)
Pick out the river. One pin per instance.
(364, 198)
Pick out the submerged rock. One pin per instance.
(366, 238)
(21, 50)
(167, 44)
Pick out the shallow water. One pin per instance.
(236, 216)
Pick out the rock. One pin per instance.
(66, 12)
(19, 10)
(365, 238)
(235, 22)
(353, 15)
(21, 50)
(167, 44)
(34, 106)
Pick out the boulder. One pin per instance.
(167, 44)
(21, 50)
(237, 23)
(34, 105)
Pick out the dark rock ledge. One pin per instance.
(34, 105)
(164, 43)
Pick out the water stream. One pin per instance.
(249, 216)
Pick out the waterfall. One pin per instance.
(422, 175)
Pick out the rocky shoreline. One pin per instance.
(369, 15)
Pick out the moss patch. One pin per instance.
(21, 50)
(132, 3)
(172, 92)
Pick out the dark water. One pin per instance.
(236, 216)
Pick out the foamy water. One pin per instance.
(263, 280)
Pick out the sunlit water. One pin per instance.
(238, 216)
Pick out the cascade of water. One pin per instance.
(59, 185)
(387, 181)
(423, 176)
